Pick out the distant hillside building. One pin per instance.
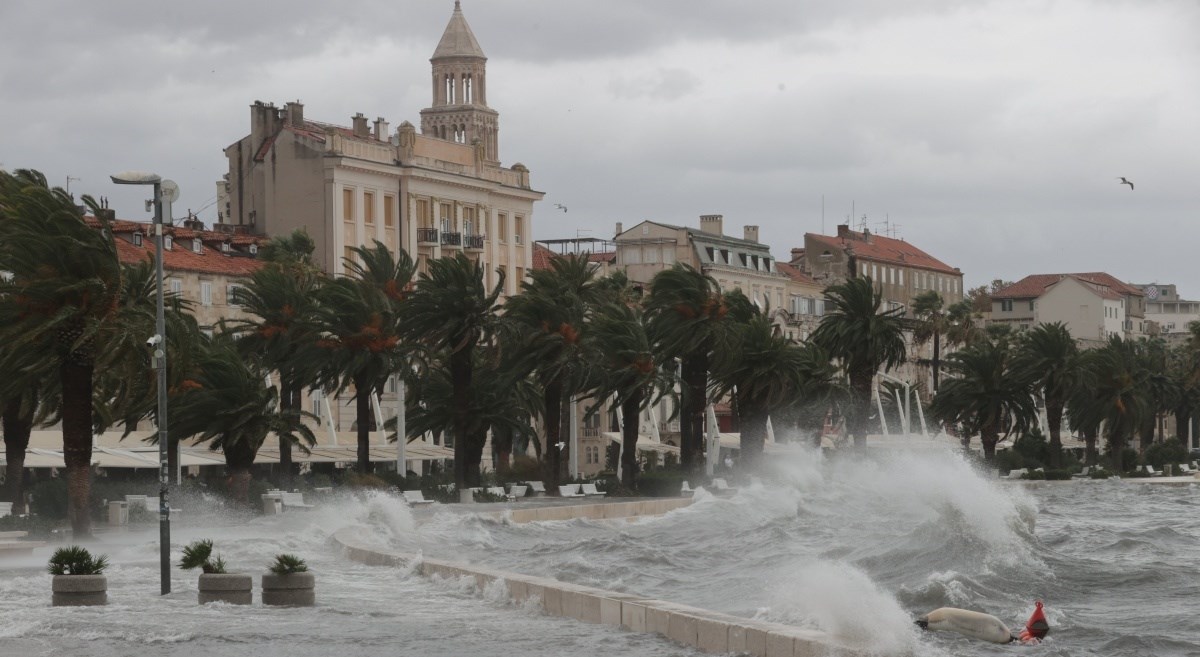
(1169, 313)
(438, 192)
(1094, 306)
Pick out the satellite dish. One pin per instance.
(170, 191)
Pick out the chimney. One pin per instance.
(381, 129)
(867, 235)
(620, 228)
(360, 125)
(751, 233)
(295, 113)
(712, 224)
(107, 214)
(843, 230)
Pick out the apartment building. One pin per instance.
(1094, 306)
(1167, 313)
(436, 192)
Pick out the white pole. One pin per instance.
(620, 438)
(654, 431)
(900, 410)
(770, 431)
(908, 393)
(573, 463)
(378, 412)
(714, 442)
(324, 404)
(921, 414)
(879, 408)
(401, 428)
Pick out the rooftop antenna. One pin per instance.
(69, 179)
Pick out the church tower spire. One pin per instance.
(459, 112)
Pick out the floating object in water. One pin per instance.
(985, 627)
(974, 624)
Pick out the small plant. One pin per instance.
(200, 555)
(287, 564)
(75, 560)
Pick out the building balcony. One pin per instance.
(473, 242)
(453, 240)
(427, 236)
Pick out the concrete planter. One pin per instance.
(79, 590)
(230, 588)
(294, 590)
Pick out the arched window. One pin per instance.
(468, 88)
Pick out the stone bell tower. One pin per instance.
(460, 112)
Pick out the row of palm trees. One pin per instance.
(73, 321)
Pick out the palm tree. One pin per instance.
(551, 312)
(984, 396)
(689, 321)
(359, 318)
(762, 371)
(228, 407)
(19, 417)
(864, 338)
(1115, 397)
(820, 393)
(629, 371)
(66, 288)
(930, 322)
(452, 313)
(282, 321)
(1047, 357)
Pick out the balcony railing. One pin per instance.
(451, 239)
(473, 242)
(427, 235)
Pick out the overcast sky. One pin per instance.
(990, 134)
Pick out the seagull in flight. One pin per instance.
(1125, 182)
(560, 206)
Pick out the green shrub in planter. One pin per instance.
(200, 555)
(78, 577)
(215, 584)
(289, 583)
(286, 564)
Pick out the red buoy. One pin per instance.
(1036, 627)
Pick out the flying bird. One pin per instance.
(1125, 182)
(560, 206)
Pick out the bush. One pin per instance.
(1058, 475)
(360, 480)
(200, 555)
(75, 560)
(1032, 448)
(523, 468)
(1167, 452)
(1036, 475)
(287, 564)
(1099, 473)
(1129, 459)
(484, 496)
(36, 526)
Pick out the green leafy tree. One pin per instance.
(551, 313)
(689, 320)
(864, 337)
(1047, 357)
(984, 396)
(451, 312)
(359, 317)
(1115, 397)
(66, 311)
(228, 407)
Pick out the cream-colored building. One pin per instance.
(433, 193)
(1168, 313)
(1094, 306)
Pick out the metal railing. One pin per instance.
(427, 235)
(451, 239)
(473, 241)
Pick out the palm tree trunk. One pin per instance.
(630, 408)
(289, 401)
(362, 411)
(552, 401)
(502, 442)
(691, 425)
(937, 360)
(461, 367)
(753, 426)
(988, 437)
(239, 458)
(1183, 419)
(1089, 451)
(17, 428)
(1116, 445)
(475, 459)
(76, 381)
(1054, 413)
(860, 411)
(1146, 434)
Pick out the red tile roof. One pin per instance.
(1035, 285)
(884, 249)
(794, 273)
(542, 256)
(180, 257)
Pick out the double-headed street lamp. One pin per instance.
(165, 193)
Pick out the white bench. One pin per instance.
(722, 487)
(686, 490)
(498, 491)
(538, 488)
(570, 490)
(416, 497)
(1016, 474)
(589, 490)
(294, 501)
(516, 492)
(1084, 473)
(1149, 469)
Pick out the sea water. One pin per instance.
(856, 547)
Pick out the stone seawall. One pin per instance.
(705, 630)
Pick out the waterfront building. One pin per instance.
(1167, 313)
(435, 192)
(1094, 306)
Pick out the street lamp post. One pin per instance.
(164, 190)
